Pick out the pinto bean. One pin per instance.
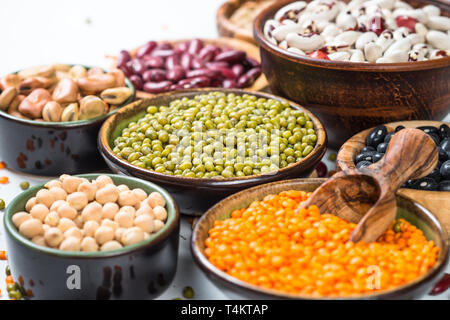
(28, 85)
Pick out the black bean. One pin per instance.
(445, 144)
(377, 157)
(435, 138)
(367, 148)
(427, 184)
(388, 137)
(428, 129)
(382, 147)
(399, 128)
(435, 174)
(363, 164)
(376, 136)
(411, 184)
(443, 155)
(367, 156)
(445, 170)
(444, 132)
(444, 185)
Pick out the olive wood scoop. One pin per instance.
(366, 196)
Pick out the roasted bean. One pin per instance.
(116, 95)
(28, 85)
(96, 83)
(66, 91)
(70, 113)
(91, 107)
(6, 97)
(33, 104)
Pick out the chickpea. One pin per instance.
(145, 209)
(39, 240)
(53, 184)
(156, 199)
(70, 244)
(140, 194)
(67, 211)
(125, 217)
(157, 225)
(109, 223)
(70, 184)
(39, 211)
(30, 204)
(31, 228)
(90, 227)
(58, 193)
(122, 188)
(93, 211)
(132, 236)
(127, 198)
(104, 234)
(64, 177)
(109, 210)
(146, 236)
(77, 200)
(45, 197)
(45, 227)
(52, 219)
(89, 245)
(89, 189)
(65, 224)
(73, 232)
(53, 237)
(118, 234)
(102, 181)
(160, 213)
(58, 203)
(111, 245)
(20, 217)
(145, 222)
(108, 193)
(79, 221)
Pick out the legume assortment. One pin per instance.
(381, 31)
(163, 67)
(218, 135)
(75, 214)
(273, 245)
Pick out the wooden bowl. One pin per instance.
(226, 27)
(140, 271)
(349, 97)
(237, 289)
(251, 50)
(196, 195)
(438, 202)
(52, 148)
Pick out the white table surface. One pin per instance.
(83, 31)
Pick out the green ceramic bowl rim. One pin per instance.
(78, 123)
(172, 220)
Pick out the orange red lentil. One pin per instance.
(271, 245)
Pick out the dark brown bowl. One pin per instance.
(52, 148)
(226, 27)
(237, 289)
(140, 271)
(349, 97)
(196, 195)
(438, 202)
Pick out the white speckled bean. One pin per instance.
(438, 39)
(432, 10)
(357, 56)
(439, 23)
(348, 37)
(372, 51)
(305, 43)
(394, 56)
(339, 56)
(364, 38)
(280, 33)
(402, 45)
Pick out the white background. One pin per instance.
(84, 32)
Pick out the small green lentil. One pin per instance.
(2, 204)
(24, 185)
(188, 293)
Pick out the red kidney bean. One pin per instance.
(229, 84)
(175, 87)
(442, 285)
(124, 57)
(154, 62)
(213, 74)
(176, 74)
(163, 46)
(163, 53)
(247, 79)
(197, 82)
(155, 75)
(137, 66)
(253, 63)
(197, 63)
(195, 46)
(127, 70)
(137, 81)
(157, 87)
(172, 61)
(231, 56)
(225, 72)
(182, 47)
(238, 69)
(208, 53)
(213, 65)
(186, 61)
(146, 49)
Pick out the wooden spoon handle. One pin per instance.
(411, 154)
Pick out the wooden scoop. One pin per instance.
(367, 196)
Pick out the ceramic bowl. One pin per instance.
(140, 271)
(52, 148)
(237, 289)
(195, 195)
(438, 202)
(349, 97)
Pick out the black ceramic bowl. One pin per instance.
(196, 195)
(140, 271)
(52, 148)
(237, 289)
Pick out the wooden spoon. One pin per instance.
(367, 196)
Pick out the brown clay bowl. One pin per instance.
(349, 97)
(227, 28)
(196, 195)
(251, 50)
(237, 289)
(438, 202)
